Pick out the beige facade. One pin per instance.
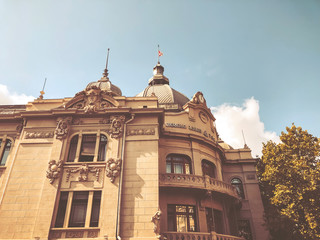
(104, 166)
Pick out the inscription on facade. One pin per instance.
(191, 128)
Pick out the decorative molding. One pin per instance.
(156, 223)
(19, 128)
(91, 100)
(199, 99)
(105, 120)
(203, 117)
(93, 234)
(83, 171)
(113, 168)
(53, 171)
(141, 131)
(116, 128)
(63, 127)
(39, 135)
(74, 234)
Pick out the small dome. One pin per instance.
(168, 97)
(106, 86)
(165, 94)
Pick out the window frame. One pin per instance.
(238, 186)
(3, 144)
(186, 161)
(214, 218)
(76, 146)
(187, 214)
(69, 206)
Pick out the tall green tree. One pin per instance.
(289, 174)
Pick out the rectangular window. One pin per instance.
(87, 148)
(82, 211)
(214, 220)
(5, 146)
(181, 218)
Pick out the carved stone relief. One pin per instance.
(53, 171)
(113, 168)
(91, 100)
(141, 131)
(39, 135)
(74, 234)
(63, 127)
(156, 223)
(116, 128)
(198, 99)
(83, 172)
(93, 234)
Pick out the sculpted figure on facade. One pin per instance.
(198, 99)
(63, 128)
(156, 221)
(53, 171)
(116, 128)
(113, 168)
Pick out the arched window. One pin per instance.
(178, 164)
(83, 148)
(237, 183)
(5, 146)
(208, 168)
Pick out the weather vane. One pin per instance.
(159, 54)
(105, 74)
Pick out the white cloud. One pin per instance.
(7, 98)
(231, 120)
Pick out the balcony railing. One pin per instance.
(197, 236)
(194, 181)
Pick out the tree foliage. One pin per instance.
(289, 173)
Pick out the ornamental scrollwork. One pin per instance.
(53, 171)
(156, 223)
(116, 129)
(39, 135)
(62, 128)
(198, 99)
(83, 172)
(113, 168)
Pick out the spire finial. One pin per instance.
(105, 73)
(42, 91)
(159, 54)
(244, 140)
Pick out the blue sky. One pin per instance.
(230, 50)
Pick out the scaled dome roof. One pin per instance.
(168, 97)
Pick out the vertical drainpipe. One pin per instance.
(121, 178)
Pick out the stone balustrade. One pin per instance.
(194, 181)
(197, 236)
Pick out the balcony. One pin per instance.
(197, 236)
(194, 181)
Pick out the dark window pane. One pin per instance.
(171, 222)
(5, 153)
(102, 148)
(94, 221)
(73, 149)
(87, 148)
(218, 221)
(237, 183)
(78, 209)
(179, 164)
(61, 209)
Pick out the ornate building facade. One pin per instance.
(104, 166)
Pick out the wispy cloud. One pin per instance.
(7, 97)
(231, 120)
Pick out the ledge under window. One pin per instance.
(57, 233)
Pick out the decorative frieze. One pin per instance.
(39, 135)
(74, 234)
(83, 170)
(54, 169)
(113, 168)
(141, 131)
(63, 127)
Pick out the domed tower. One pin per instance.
(168, 98)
